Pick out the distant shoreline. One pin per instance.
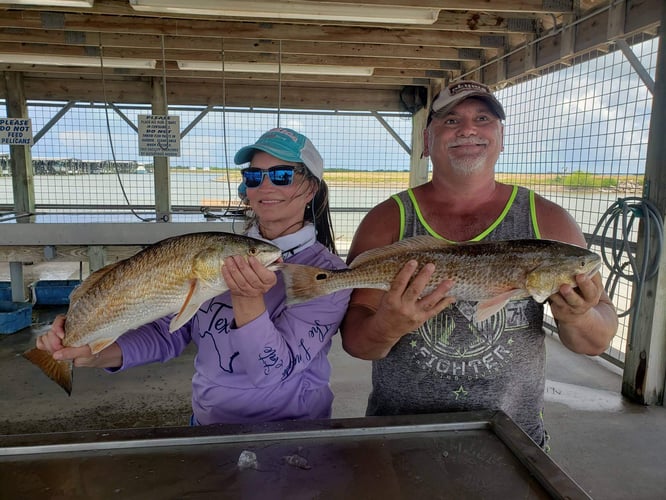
(551, 183)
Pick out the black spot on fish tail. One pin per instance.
(303, 283)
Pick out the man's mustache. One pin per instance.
(468, 142)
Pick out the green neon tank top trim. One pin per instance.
(485, 233)
(535, 223)
(401, 207)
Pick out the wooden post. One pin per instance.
(418, 165)
(23, 182)
(645, 360)
(161, 176)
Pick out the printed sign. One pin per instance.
(16, 131)
(159, 135)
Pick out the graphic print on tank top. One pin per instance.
(451, 344)
(479, 350)
(451, 363)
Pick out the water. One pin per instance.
(189, 188)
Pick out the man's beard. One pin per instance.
(468, 165)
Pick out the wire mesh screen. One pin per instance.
(577, 135)
(89, 160)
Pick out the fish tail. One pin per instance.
(303, 283)
(61, 372)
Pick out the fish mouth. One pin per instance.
(593, 270)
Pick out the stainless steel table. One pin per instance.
(474, 455)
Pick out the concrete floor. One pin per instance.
(612, 448)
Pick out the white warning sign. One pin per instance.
(16, 131)
(159, 135)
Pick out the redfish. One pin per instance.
(175, 275)
(490, 273)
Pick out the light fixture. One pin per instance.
(51, 60)
(296, 9)
(52, 3)
(298, 69)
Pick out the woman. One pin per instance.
(257, 360)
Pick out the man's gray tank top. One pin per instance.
(452, 364)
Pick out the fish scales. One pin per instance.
(175, 275)
(477, 276)
(128, 294)
(490, 273)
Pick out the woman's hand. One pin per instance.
(51, 342)
(248, 281)
(247, 278)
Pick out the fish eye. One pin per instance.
(321, 276)
(253, 251)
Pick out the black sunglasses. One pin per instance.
(280, 175)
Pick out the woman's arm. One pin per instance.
(285, 345)
(149, 343)
(280, 341)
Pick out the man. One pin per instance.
(428, 355)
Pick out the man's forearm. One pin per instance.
(592, 332)
(362, 335)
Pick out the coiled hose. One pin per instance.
(616, 248)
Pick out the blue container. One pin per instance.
(5, 290)
(15, 316)
(53, 292)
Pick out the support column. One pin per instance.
(162, 179)
(23, 182)
(645, 360)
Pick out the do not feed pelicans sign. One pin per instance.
(16, 131)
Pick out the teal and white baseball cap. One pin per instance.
(288, 145)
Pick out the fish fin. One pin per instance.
(183, 316)
(535, 283)
(187, 310)
(413, 244)
(485, 309)
(199, 292)
(303, 283)
(540, 297)
(100, 344)
(61, 372)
